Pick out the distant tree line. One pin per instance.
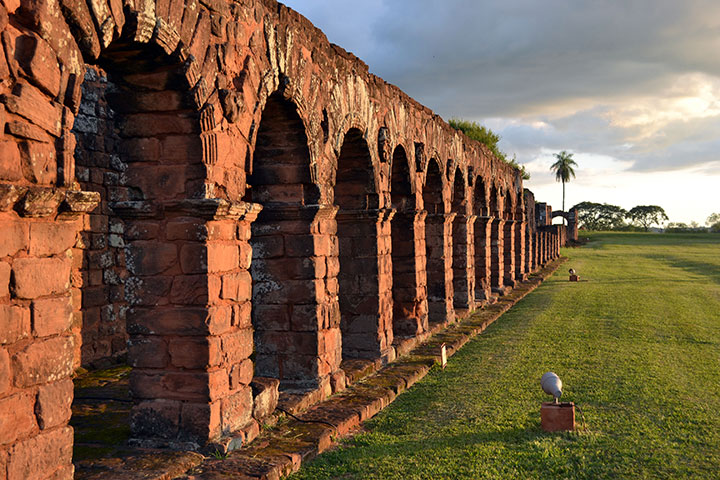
(603, 216)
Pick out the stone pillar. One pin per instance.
(497, 255)
(520, 251)
(295, 309)
(410, 315)
(483, 250)
(438, 239)
(464, 262)
(190, 328)
(509, 253)
(39, 289)
(365, 283)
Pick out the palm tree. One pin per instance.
(563, 169)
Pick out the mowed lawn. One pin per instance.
(637, 345)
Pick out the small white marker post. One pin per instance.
(443, 355)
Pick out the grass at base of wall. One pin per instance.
(637, 345)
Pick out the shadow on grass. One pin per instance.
(511, 437)
(707, 270)
(599, 240)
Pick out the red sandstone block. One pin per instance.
(220, 319)
(14, 323)
(152, 291)
(169, 321)
(51, 316)
(237, 346)
(242, 315)
(17, 417)
(36, 277)
(39, 61)
(197, 386)
(306, 318)
(272, 317)
(241, 374)
(268, 247)
(202, 420)
(245, 255)
(39, 162)
(151, 258)
(53, 404)
(147, 352)
(43, 361)
(186, 229)
(40, 456)
(3, 455)
(195, 352)
(222, 257)
(194, 258)
(5, 372)
(237, 286)
(189, 290)
(156, 124)
(31, 103)
(156, 418)
(11, 165)
(48, 238)
(180, 147)
(237, 410)
(14, 238)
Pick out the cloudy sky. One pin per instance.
(630, 87)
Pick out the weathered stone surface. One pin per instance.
(265, 396)
(43, 361)
(17, 419)
(36, 277)
(51, 316)
(53, 404)
(14, 323)
(40, 456)
(255, 179)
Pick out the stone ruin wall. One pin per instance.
(212, 192)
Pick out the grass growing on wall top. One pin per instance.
(637, 344)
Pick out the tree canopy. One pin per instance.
(563, 169)
(646, 216)
(600, 216)
(713, 221)
(488, 138)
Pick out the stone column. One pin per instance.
(438, 239)
(483, 250)
(295, 308)
(520, 251)
(410, 311)
(497, 255)
(509, 253)
(464, 262)
(365, 283)
(39, 288)
(190, 328)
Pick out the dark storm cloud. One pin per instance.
(568, 72)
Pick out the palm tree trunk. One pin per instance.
(563, 206)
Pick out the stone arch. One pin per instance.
(409, 318)
(284, 300)
(365, 284)
(147, 248)
(438, 250)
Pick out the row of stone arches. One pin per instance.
(202, 282)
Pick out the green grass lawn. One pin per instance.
(637, 345)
